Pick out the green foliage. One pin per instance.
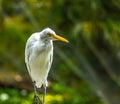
(62, 95)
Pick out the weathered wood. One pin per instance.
(14, 79)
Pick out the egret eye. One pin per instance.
(50, 34)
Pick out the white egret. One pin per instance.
(39, 56)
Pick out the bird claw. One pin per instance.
(37, 100)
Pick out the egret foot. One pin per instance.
(36, 100)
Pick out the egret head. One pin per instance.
(49, 34)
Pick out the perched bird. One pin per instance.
(39, 56)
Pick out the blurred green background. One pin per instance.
(84, 71)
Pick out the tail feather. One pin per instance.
(39, 83)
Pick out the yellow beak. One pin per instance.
(59, 38)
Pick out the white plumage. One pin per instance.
(39, 55)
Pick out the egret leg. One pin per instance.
(35, 89)
(36, 99)
(44, 95)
